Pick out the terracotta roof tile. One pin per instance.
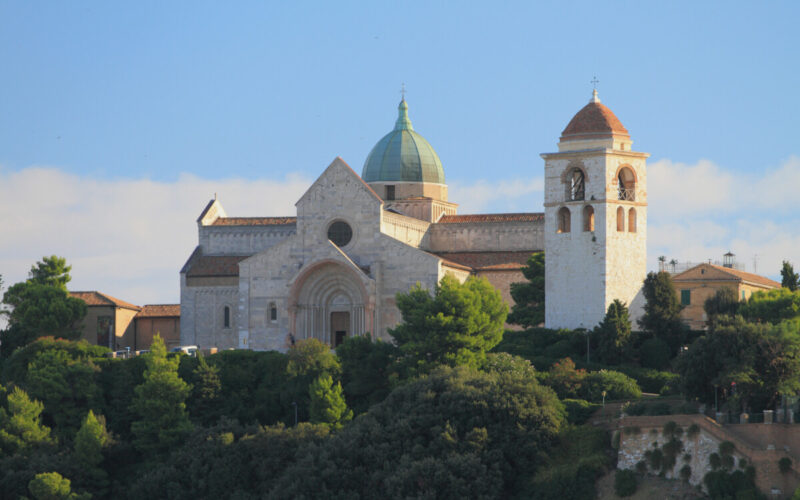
(593, 120)
(735, 274)
(485, 261)
(94, 298)
(518, 217)
(160, 311)
(254, 221)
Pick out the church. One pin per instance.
(333, 269)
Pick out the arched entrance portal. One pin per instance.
(329, 302)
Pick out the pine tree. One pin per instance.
(160, 403)
(528, 309)
(789, 278)
(205, 392)
(662, 310)
(327, 403)
(52, 486)
(613, 333)
(90, 440)
(20, 426)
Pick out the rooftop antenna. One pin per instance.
(755, 263)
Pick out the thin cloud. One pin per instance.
(125, 237)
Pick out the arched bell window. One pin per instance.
(563, 220)
(588, 218)
(620, 219)
(577, 185)
(632, 220)
(626, 184)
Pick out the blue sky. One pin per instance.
(134, 113)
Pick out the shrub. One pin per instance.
(687, 457)
(616, 385)
(727, 462)
(641, 467)
(686, 473)
(785, 465)
(655, 458)
(654, 353)
(650, 380)
(693, 430)
(714, 461)
(625, 483)
(742, 463)
(579, 410)
(726, 448)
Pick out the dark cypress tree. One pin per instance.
(662, 311)
(528, 309)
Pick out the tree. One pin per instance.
(206, 388)
(789, 278)
(327, 403)
(52, 486)
(51, 271)
(613, 333)
(662, 310)
(90, 441)
(772, 306)
(455, 326)
(528, 309)
(761, 360)
(368, 371)
(21, 429)
(724, 302)
(308, 359)
(160, 403)
(37, 311)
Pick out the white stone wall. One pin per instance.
(586, 270)
(242, 240)
(410, 231)
(486, 237)
(202, 316)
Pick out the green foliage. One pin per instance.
(693, 430)
(625, 483)
(789, 278)
(722, 485)
(655, 458)
(228, 461)
(37, 311)
(90, 441)
(51, 271)
(785, 465)
(206, 387)
(726, 448)
(456, 432)
(528, 309)
(772, 306)
(579, 458)
(714, 461)
(160, 403)
(368, 371)
(52, 486)
(565, 379)
(456, 326)
(647, 408)
(762, 360)
(685, 473)
(20, 424)
(613, 333)
(723, 303)
(655, 354)
(67, 387)
(616, 385)
(662, 310)
(579, 410)
(327, 403)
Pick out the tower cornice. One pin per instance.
(584, 152)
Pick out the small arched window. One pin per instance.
(226, 317)
(563, 220)
(577, 185)
(620, 219)
(626, 184)
(588, 218)
(632, 220)
(273, 312)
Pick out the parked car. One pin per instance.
(190, 350)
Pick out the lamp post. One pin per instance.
(604, 399)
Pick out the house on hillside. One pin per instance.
(702, 281)
(108, 321)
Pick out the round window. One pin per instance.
(340, 233)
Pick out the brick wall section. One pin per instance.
(751, 442)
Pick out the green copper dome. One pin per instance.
(403, 156)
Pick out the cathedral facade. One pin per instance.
(333, 269)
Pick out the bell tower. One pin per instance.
(595, 221)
